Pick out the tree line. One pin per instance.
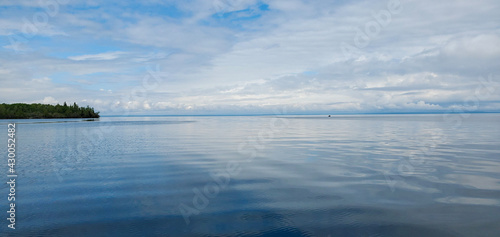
(37, 111)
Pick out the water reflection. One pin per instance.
(319, 176)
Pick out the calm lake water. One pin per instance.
(360, 175)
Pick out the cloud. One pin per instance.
(254, 56)
(49, 100)
(100, 56)
(485, 46)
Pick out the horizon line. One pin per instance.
(297, 114)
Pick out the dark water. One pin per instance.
(367, 175)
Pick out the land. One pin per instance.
(42, 111)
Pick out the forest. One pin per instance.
(38, 111)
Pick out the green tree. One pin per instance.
(25, 111)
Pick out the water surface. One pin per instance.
(357, 175)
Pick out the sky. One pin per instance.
(198, 57)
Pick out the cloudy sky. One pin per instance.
(252, 57)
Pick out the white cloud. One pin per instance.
(49, 100)
(480, 46)
(222, 56)
(100, 56)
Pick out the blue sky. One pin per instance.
(252, 57)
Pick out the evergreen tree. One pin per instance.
(26, 111)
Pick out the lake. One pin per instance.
(347, 175)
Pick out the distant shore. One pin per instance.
(45, 111)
